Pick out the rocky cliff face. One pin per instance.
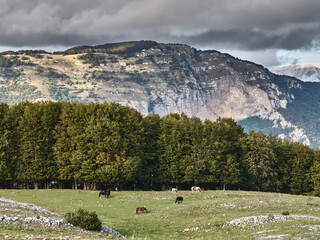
(152, 77)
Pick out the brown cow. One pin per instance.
(141, 209)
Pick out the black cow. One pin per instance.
(179, 200)
(105, 193)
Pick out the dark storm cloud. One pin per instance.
(240, 24)
(257, 40)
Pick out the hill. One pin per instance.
(166, 78)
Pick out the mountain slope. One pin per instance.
(164, 78)
(306, 73)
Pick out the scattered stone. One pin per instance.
(253, 221)
(26, 205)
(191, 229)
(44, 221)
(230, 205)
(111, 231)
(275, 237)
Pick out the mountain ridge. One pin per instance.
(306, 73)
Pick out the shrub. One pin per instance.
(286, 213)
(84, 219)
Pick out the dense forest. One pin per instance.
(95, 146)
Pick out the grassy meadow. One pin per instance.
(204, 215)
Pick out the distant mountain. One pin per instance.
(166, 78)
(307, 73)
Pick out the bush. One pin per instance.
(84, 219)
(286, 213)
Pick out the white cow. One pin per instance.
(195, 189)
(174, 190)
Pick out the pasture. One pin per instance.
(202, 215)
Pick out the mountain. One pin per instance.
(166, 78)
(307, 73)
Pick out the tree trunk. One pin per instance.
(75, 185)
(36, 185)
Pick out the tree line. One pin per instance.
(99, 145)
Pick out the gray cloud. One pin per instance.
(257, 40)
(265, 57)
(236, 24)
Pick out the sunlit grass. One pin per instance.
(201, 215)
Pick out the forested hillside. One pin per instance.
(72, 145)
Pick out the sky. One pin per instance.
(268, 32)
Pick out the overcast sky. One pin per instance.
(270, 32)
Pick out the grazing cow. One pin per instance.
(105, 193)
(195, 189)
(174, 190)
(179, 200)
(141, 209)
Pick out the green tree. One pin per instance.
(37, 163)
(5, 175)
(108, 149)
(283, 156)
(100, 137)
(171, 150)
(315, 173)
(300, 168)
(12, 136)
(150, 159)
(196, 159)
(72, 124)
(225, 150)
(260, 162)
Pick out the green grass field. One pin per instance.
(204, 215)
